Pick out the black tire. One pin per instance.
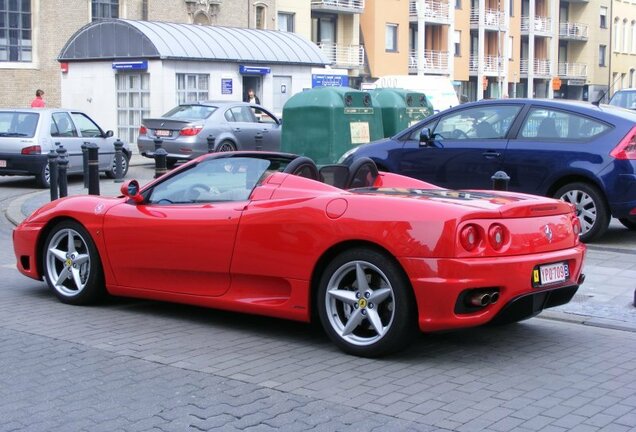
(126, 161)
(590, 208)
(43, 178)
(396, 311)
(226, 146)
(629, 223)
(83, 263)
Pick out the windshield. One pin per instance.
(18, 124)
(624, 99)
(191, 112)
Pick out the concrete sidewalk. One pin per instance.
(604, 300)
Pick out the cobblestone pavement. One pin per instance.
(138, 365)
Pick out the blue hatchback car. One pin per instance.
(575, 151)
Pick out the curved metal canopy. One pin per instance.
(127, 39)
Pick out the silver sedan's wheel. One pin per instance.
(124, 167)
(71, 264)
(366, 303)
(590, 208)
(225, 146)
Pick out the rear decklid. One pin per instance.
(17, 130)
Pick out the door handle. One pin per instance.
(490, 154)
(237, 129)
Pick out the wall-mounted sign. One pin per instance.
(324, 80)
(131, 65)
(254, 70)
(226, 86)
(64, 67)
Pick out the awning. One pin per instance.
(126, 39)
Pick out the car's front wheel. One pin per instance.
(125, 160)
(365, 303)
(590, 208)
(71, 264)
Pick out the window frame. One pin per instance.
(18, 48)
(394, 31)
(584, 139)
(290, 19)
(602, 55)
(97, 6)
(603, 17)
(187, 91)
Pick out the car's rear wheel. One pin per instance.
(71, 264)
(43, 178)
(124, 167)
(629, 223)
(590, 208)
(226, 146)
(365, 303)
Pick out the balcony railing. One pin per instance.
(338, 6)
(493, 65)
(346, 56)
(541, 67)
(493, 19)
(573, 70)
(435, 62)
(538, 24)
(573, 31)
(434, 11)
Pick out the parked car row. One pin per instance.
(28, 135)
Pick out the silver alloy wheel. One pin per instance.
(68, 262)
(124, 165)
(47, 173)
(360, 303)
(585, 208)
(225, 147)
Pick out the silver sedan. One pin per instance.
(184, 130)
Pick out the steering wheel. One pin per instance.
(194, 191)
(458, 134)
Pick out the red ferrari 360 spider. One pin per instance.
(372, 255)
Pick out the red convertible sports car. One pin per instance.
(371, 255)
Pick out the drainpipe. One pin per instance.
(144, 10)
(610, 54)
(248, 13)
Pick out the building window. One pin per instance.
(603, 16)
(260, 17)
(133, 103)
(626, 38)
(617, 35)
(104, 9)
(390, 44)
(458, 4)
(601, 54)
(15, 31)
(633, 37)
(457, 42)
(512, 7)
(192, 87)
(286, 22)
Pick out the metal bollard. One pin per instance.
(500, 181)
(93, 169)
(62, 167)
(85, 162)
(53, 174)
(258, 139)
(158, 143)
(211, 143)
(119, 161)
(160, 162)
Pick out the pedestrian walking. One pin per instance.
(38, 102)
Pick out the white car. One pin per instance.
(28, 135)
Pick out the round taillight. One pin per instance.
(143, 130)
(576, 225)
(469, 237)
(497, 236)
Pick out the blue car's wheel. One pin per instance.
(590, 208)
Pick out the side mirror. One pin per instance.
(108, 134)
(426, 137)
(280, 121)
(130, 189)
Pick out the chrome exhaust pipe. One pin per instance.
(481, 299)
(494, 297)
